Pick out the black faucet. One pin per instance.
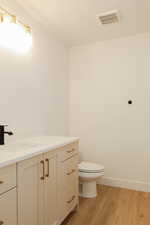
(2, 133)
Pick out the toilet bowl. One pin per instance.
(88, 175)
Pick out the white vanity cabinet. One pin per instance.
(8, 197)
(48, 186)
(40, 190)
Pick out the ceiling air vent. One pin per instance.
(109, 17)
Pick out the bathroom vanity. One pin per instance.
(38, 183)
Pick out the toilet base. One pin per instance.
(88, 189)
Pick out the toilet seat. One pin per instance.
(90, 175)
(88, 167)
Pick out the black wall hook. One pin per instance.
(130, 102)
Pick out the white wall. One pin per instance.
(34, 87)
(103, 77)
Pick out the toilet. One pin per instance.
(88, 176)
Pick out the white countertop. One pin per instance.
(27, 148)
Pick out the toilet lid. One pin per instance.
(90, 167)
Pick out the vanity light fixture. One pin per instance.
(14, 34)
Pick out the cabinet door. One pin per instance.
(8, 208)
(30, 191)
(50, 209)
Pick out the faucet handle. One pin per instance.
(10, 133)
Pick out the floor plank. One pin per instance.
(113, 206)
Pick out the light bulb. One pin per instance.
(14, 36)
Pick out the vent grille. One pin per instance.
(109, 17)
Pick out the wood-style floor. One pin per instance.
(113, 206)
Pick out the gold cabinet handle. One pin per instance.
(1, 182)
(43, 166)
(73, 197)
(70, 151)
(1, 222)
(47, 174)
(72, 171)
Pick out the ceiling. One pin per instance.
(75, 21)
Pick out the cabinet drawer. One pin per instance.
(71, 202)
(7, 178)
(8, 208)
(71, 175)
(71, 167)
(68, 151)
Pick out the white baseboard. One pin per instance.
(128, 184)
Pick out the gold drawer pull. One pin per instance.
(1, 222)
(1, 182)
(72, 171)
(47, 160)
(43, 167)
(73, 197)
(70, 151)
